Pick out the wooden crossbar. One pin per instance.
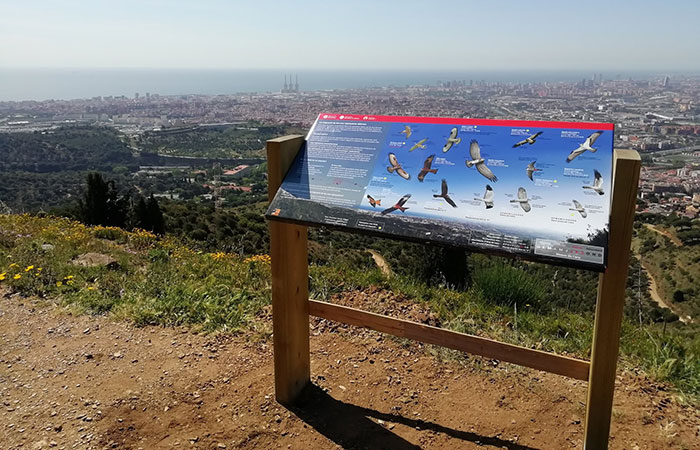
(536, 359)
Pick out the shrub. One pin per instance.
(503, 284)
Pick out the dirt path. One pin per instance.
(677, 242)
(656, 297)
(89, 383)
(380, 262)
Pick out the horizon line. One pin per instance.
(355, 69)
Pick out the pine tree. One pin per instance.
(156, 222)
(140, 213)
(101, 203)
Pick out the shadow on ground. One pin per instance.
(352, 427)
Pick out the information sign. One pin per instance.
(536, 189)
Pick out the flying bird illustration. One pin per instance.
(531, 169)
(427, 168)
(531, 140)
(443, 194)
(407, 131)
(419, 144)
(374, 202)
(597, 183)
(488, 197)
(522, 199)
(398, 205)
(586, 146)
(396, 167)
(579, 207)
(478, 161)
(452, 140)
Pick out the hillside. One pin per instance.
(240, 141)
(671, 255)
(64, 149)
(158, 281)
(85, 381)
(128, 340)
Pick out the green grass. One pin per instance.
(671, 356)
(154, 282)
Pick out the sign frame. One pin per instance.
(291, 306)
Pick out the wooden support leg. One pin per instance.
(290, 309)
(290, 283)
(611, 300)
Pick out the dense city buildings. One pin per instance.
(660, 117)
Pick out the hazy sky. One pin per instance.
(403, 35)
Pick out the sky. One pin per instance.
(360, 35)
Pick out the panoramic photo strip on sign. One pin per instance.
(538, 190)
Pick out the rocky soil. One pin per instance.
(87, 382)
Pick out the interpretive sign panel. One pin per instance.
(539, 190)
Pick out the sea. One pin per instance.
(65, 84)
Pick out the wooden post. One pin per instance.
(611, 300)
(290, 283)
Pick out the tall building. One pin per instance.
(290, 87)
(666, 80)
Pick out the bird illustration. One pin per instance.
(586, 146)
(452, 140)
(443, 194)
(488, 197)
(522, 199)
(398, 205)
(579, 207)
(419, 144)
(531, 169)
(597, 183)
(374, 202)
(407, 131)
(426, 168)
(531, 140)
(396, 167)
(478, 161)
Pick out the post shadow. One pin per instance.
(350, 426)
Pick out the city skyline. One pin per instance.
(363, 35)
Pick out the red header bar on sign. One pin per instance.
(452, 121)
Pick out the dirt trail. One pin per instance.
(380, 262)
(87, 382)
(677, 242)
(656, 297)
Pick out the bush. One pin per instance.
(503, 284)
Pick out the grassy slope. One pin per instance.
(159, 281)
(673, 267)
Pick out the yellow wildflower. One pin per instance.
(91, 288)
(2, 276)
(59, 283)
(70, 277)
(17, 277)
(29, 268)
(13, 265)
(265, 259)
(39, 269)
